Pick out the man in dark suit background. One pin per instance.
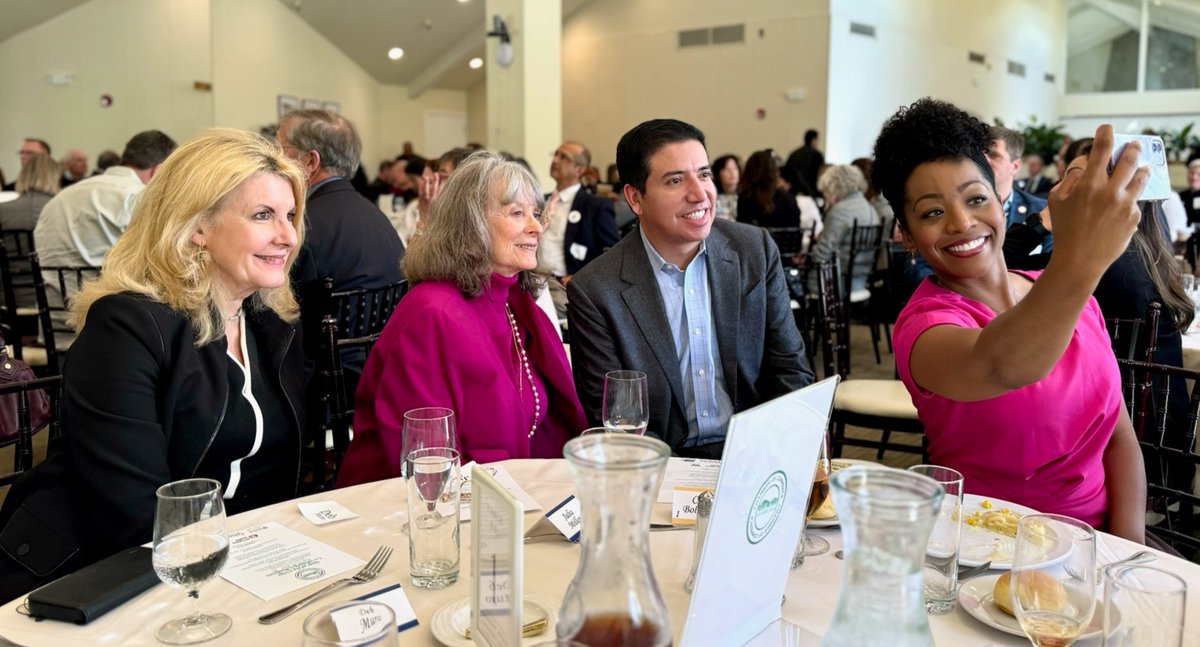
(700, 306)
(1005, 159)
(347, 237)
(1035, 183)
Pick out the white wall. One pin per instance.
(477, 114)
(622, 65)
(402, 119)
(145, 53)
(921, 49)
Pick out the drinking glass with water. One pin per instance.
(625, 408)
(190, 548)
(433, 537)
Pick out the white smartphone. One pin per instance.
(1154, 155)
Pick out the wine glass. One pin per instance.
(1143, 607)
(1053, 578)
(625, 409)
(424, 428)
(810, 544)
(190, 548)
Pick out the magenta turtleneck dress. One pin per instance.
(440, 349)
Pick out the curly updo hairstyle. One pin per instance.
(927, 131)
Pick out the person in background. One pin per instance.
(30, 147)
(1034, 183)
(105, 160)
(187, 362)
(468, 336)
(804, 165)
(36, 184)
(845, 206)
(886, 215)
(762, 201)
(75, 167)
(1012, 373)
(1191, 195)
(728, 172)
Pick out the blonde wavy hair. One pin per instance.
(41, 173)
(156, 257)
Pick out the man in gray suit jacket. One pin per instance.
(700, 306)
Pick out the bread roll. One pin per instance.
(826, 511)
(1038, 591)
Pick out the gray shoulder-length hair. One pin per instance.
(456, 242)
(841, 180)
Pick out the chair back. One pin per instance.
(25, 431)
(1166, 429)
(864, 249)
(55, 287)
(790, 241)
(352, 322)
(1135, 339)
(833, 321)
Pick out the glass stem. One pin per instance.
(195, 617)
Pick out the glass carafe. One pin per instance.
(886, 517)
(614, 598)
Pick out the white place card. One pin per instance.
(688, 472)
(394, 597)
(497, 563)
(359, 621)
(684, 502)
(323, 512)
(501, 477)
(270, 560)
(563, 521)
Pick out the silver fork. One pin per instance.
(368, 573)
(1140, 557)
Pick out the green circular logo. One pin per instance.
(766, 507)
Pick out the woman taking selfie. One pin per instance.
(1011, 372)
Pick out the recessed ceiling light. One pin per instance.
(463, 1)
(395, 53)
(475, 63)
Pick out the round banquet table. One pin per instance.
(549, 566)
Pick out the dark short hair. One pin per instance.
(1078, 148)
(719, 165)
(644, 140)
(40, 142)
(328, 133)
(927, 131)
(1013, 141)
(454, 156)
(107, 159)
(809, 136)
(147, 149)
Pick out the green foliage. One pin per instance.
(1042, 139)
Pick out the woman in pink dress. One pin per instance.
(469, 335)
(1012, 372)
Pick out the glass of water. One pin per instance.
(940, 575)
(625, 409)
(433, 537)
(190, 548)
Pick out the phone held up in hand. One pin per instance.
(1154, 155)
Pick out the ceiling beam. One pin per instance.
(1124, 13)
(448, 60)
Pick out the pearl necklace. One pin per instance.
(537, 398)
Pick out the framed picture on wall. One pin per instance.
(285, 103)
(333, 106)
(312, 104)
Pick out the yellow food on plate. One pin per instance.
(1037, 591)
(826, 511)
(1002, 521)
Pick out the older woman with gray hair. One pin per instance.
(469, 336)
(843, 186)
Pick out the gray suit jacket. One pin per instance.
(618, 321)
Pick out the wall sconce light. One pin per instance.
(504, 52)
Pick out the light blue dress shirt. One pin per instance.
(688, 304)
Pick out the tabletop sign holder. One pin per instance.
(757, 515)
(497, 562)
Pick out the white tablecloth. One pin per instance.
(811, 592)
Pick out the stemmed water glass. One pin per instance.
(1053, 578)
(425, 428)
(190, 548)
(810, 544)
(625, 409)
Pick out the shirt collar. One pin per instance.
(657, 261)
(567, 195)
(312, 188)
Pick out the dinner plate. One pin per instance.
(979, 545)
(975, 597)
(450, 623)
(837, 465)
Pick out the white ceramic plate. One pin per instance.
(975, 597)
(450, 622)
(839, 464)
(979, 545)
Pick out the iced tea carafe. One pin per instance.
(614, 598)
(886, 517)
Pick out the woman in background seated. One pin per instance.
(762, 200)
(727, 172)
(37, 183)
(468, 336)
(843, 186)
(186, 364)
(1011, 372)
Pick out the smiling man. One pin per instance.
(700, 306)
